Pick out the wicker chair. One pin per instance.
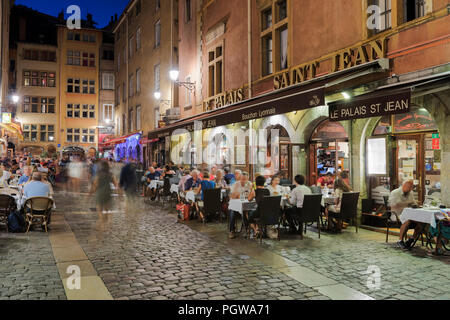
(38, 210)
(7, 205)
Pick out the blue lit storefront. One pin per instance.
(128, 148)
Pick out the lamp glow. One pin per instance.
(15, 98)
(174, 74)
(157, 95)
(346, 95)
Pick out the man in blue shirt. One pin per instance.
(152, 175)
(36, 188)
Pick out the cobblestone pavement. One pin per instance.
(145, 254)
(347, 257)
(148, 255)
(28, 268)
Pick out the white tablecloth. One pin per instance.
(155, 183)
(174, 188)
(328, 200)
(425, 215)
(190, 196)
(240, 206)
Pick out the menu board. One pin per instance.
(376, 156)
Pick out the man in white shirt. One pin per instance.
(400, 199)
(242, 188)
(296, 200)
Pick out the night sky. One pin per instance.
(102, 10)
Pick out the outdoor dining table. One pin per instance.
(154, 184)
(423, 215)
(13, 192)
(328, 200)
(240, 206)
(174, 188)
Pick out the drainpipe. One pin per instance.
(249, 44)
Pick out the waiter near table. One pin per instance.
(400, 199)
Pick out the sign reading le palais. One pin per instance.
(371, 107)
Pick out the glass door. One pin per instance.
(408, 163)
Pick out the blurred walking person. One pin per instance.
(76, 174)
(102, 184)
(128, 183)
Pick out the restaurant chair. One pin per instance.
(7, 205)
(349, 207)
(38, 210)
(270, 214)
(310, 213)
(211, 203)
(164, 192)
(387, 216)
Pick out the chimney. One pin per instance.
(89, 20)
(115, 17)
(61, 16)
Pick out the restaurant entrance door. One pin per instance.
(408, 163)
(290, 159)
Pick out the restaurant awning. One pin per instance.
(116, 141)
(309, 94)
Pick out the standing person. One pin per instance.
(229, 177)
(205, 184)
(128, 183)
(102, 187)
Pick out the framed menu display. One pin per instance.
(377, 156)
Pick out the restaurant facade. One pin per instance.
(298, 100)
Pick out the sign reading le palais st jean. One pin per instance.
(375, 106)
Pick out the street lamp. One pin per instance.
(174, 74)
(157, 95)
(15, 98)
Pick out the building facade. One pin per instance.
(64, 98)
(293, 87)
(146, 49)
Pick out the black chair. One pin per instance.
(349, 207)
(270, 214)
(7, 205)
(164, 192)
(211, 203)
(311, 212)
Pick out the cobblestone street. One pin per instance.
(146, 254)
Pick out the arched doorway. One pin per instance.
(328, 151)
(416, 156)
(283, 158)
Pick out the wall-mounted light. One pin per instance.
(157, 95)
(174, 74)
(15, 98)
(346, 95)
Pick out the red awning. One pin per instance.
(116, 141)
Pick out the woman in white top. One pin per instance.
(340, 188)
(274, 187)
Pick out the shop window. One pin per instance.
(215, 73)
(414, 9)
(274, 37)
